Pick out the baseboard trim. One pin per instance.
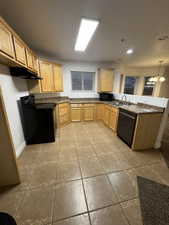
(20, 149)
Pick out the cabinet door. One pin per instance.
(58, 78)
(64, 119)
(105, 80)
(64, 113)
(88, 114)
(76, 114)
(99, 111)
(29, 57)
(106, 117)
(20, 51)
(35, 63)
(113, 119)
(6, 44)
(46, 72)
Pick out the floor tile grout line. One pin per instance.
(69, 217)
(85, 196)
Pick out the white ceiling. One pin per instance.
(51, 26)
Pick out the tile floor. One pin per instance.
(87, 177)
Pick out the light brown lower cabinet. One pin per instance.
(113, 119)
(76, 114)
(89, 114)
(106, 117)
(99, 111)
(83, 112)
(146, 130)
(63, 114)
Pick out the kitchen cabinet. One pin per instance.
(99, 111)
(83, 112)
(76, 112)
(29, 57)
(89, 112)
(20, 52)
(106, 117)
(146, 130)
(105, 80)
(6, 43)
(46, 72)
(64, 113)
(35, 63)
(113, 118)
(58, 78)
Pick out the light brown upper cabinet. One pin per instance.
(58, 78)
(29, 57)
(36, 63)
(20, 51)
(46, 72)
(6, 43)
(105, 80)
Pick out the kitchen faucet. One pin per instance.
(124, 96)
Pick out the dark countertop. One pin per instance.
(136, 108)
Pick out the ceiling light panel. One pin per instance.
(85, 34)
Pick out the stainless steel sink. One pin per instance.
(121, 103)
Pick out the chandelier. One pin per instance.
(158, 77)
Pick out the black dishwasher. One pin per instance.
(126, 126)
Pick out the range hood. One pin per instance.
(24, 73)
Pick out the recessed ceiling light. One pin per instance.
(86, 31)
(129, 51)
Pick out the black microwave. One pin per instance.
(106, 96)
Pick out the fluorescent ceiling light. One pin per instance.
(86, 31)
(129, 51)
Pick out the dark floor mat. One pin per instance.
(154, 202)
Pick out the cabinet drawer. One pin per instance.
(74, 105)
(89, 105)
(63, 105)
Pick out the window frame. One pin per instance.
(82, 90)
(154, 87)
(135, 86)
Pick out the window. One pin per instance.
(148, 86)
(129, 86)
(82, 81)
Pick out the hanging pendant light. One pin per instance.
(158, 77)
(162, 79)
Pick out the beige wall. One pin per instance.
(164, 89)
